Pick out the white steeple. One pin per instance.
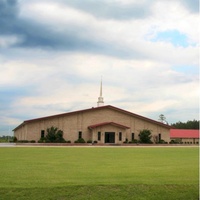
(100, 99)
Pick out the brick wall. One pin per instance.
(72, 123)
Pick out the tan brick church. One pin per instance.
(103, 124)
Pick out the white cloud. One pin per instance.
(55, 15)
(173, 16)
(9, 121)
(20, 73)
(72, 81)
(127, 36)
(145, 81)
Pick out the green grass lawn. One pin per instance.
(99, 173)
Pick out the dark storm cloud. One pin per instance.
(8, 13)
(192, 5)
(8, 9)
(32, 34)
(35, 35)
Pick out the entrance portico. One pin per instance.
(108, 132)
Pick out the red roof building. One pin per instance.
(185, 136)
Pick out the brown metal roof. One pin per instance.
(96, 108)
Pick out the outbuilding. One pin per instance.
(185, 136)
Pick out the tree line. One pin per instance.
(190, 124)
(6, 138)
(194, 124)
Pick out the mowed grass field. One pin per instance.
(99, 173)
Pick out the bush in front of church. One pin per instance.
(80, 140)
(145, 136)
(54, 135)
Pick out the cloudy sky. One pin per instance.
(54, 52)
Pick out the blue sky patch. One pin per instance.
(172, 36)
(186, 69)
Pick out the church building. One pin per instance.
(101, 124)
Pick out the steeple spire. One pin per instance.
(101, 88)
(100, 99)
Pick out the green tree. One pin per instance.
(54, 135)
(162, 118)
(186, 125)
(145, 136)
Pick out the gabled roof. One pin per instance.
(184, 133)
(108, 123)
(92, 109)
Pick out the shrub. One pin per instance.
(60, 140)
(89, 141)
(14, 139)
(162, 142)
(145, 136)
(174, 142)
(95, 141)
(126, 141)
(23, 141)
(80, 140)
(54, 135)
(135, 141)
(32, 141)
(68, 141)
(41, 140)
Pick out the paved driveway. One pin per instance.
(7, 144)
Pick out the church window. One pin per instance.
(79, 134)
(133, 136)
(120, 136)
(42, 133)
(99, 136)
(159, 137)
